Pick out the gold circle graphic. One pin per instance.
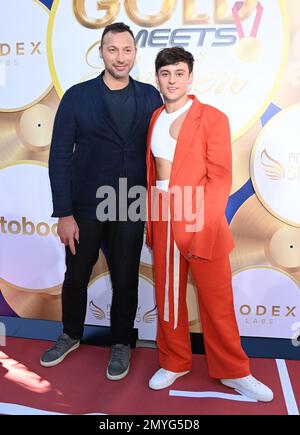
(45, 93)
(248, 49)
(261, 199)
(26, 136)
(262, 240)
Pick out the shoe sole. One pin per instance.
(169, 384)
(251, 396)
(59, 360)
(117, 377)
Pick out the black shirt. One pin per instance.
(122, 107)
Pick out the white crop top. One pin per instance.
(162, 143)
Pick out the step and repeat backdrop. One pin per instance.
(247, 63)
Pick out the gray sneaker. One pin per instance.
(59, 351)
(118, 366)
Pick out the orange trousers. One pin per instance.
(225, 356)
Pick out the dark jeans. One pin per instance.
(124, 243)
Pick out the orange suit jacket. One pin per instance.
(202, 158)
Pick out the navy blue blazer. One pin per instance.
(87, 150)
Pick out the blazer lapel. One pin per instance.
(186, 135)
(149, 157)
(140, 109)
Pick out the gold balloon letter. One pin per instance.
(111, 7)
(163, 15)
(190, 15)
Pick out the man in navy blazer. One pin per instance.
(99, 137)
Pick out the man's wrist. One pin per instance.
(66, 217)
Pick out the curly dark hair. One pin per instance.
(172, 55)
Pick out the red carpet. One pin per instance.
(79, 385)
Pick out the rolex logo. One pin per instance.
(273, 311)
(20, 49)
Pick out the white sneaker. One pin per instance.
(250, 387)
(164, 378)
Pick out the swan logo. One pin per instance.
(98, 313)
(273, 169)
(99, 305)
(276, 171)
(150, 316)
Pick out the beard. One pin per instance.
(119, 74)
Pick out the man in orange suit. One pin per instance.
(189, 151)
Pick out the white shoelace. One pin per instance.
(252, 380)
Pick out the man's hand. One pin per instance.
(68, 232)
